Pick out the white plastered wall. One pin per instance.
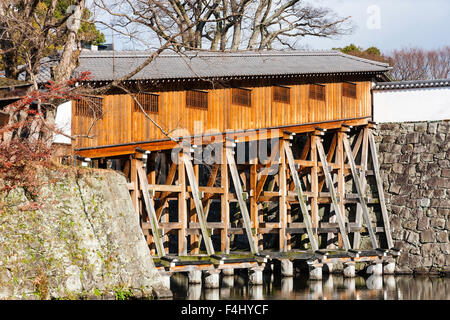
(63, 122)
(421, 104)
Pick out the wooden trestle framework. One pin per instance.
(309, 194)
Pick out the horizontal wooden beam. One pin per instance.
(240, 136)
(165, 188)
(211, 190)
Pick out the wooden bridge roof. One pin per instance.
(110, 65)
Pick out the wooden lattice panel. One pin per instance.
(242, 96)
(282, 94)
(197, 99)
(317, 92)
(89, 107)
(349, 90)
(148, 101)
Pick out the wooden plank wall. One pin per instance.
(122, 124)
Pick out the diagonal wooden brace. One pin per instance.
(360, 191)
(242, 204)
(376, 169)
(150, 209)
(198, 203)
(334, 199)
(301, 198)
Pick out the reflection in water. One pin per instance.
(194, 292)
(228, 281)
(350, 284)
(374, 282)
(315, 288)
(256, 292)
(328, 284)
(389, 283)
(332, 287)
(287, 285)
(212, 294)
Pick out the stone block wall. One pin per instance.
(415, 167)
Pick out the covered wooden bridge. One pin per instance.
(235, 160)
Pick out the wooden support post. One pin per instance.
(151, 178)
(340, 179)
(264, 173)
(314, 183)
(151, 168)
(224, 204)
(253, 201)
(164, 195)
(330, 155)
(198, 203)
(212, 179)
(362, 201)
(239, 195)
(376, 169)
(150, 210)
(329, 181)
(194, 238)
(135, 192)
(301, 198)
(182, 206)
(282, 208)
(337, 153)
(363, 182)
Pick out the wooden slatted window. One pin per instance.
(242, 96)
(197, 99)
(317, 92)
(89, 106)
(148, 101)
(282, 94)
(349, 90)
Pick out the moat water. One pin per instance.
(332, 287)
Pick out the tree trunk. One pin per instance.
(237, 26)
(68, 63)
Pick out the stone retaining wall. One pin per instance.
(85, 240)
(415, 166)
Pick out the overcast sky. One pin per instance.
(423, 23)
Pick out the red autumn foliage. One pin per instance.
(23, 148)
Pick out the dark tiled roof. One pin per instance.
(10, 83)
(402, 85)
(109, 65)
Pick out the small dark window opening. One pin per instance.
(197, 99)
(282, 94)
(242, 96)
(91, 107)
(349, 90)
(148, 101)
(317, 92)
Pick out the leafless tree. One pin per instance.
(420, 64)
(227, 24)
(29, 34)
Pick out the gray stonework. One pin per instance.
(415, 167)
(84, 242)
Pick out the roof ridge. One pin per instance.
(145, 53)
(349, 56)
(412, 84)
